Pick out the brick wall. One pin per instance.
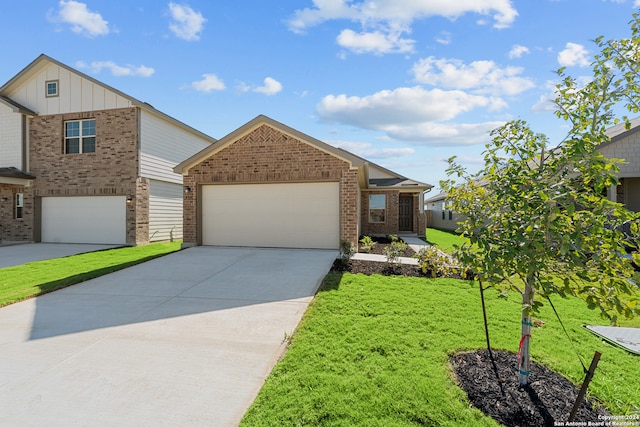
(111, 170)
(12, 229)
(390, 224)
(266, 155)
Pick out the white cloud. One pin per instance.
(384, 22)
(483, 77)
(572, 55)
(413, 114)
(367, 150)
(271, 87)
(444, 134)
(82, 20)
(376, 42)
(209, 83)
(401, 12)
(403, 105)
(117, 70)
(517, 51)
(445, 37)
(186, 23)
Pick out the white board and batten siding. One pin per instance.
(10, 137)
(75, 93)
(162, 146)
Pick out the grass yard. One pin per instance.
(443, 239)
(36, 278)
(374, 350)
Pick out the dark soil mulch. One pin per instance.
(356, 266)
(548, 398)
(381, 244)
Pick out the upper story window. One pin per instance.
(19, 205)
(377, 207)
(51, 87)
(80, 136)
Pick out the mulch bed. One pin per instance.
(356, 266)
(381, 244)
(545, 401)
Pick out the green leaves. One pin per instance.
(538, 212)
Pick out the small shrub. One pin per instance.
(393, 237)
(438, 264)
(347, 250)
(394, 251)
(367, 244)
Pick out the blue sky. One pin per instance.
(403, 83)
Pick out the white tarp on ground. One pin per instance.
(629, 338)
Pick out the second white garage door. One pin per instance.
(272, 215)
(90, 219)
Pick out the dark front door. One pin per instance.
(405, 219)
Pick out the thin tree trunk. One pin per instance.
(524, 357)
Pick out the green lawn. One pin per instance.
(36, 278)
(444, 239)
(374, 350)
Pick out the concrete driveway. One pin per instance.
(186, 339)
(29, 252)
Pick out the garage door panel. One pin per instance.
(99, 219)
(271, 215)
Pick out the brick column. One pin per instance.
(349, 206)
(190, 212)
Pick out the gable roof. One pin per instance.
(398, 181)
(43, 60)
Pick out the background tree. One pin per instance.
(538, 220)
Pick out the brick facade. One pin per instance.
(14, 229)
(391, 223)
(111, 171)
(266, 155)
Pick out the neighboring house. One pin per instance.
(266, 184)
(624, 144)
(81, 162)
(439, 215)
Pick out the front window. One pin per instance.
(377, 207)
(51, 88)
(19, 205)
(80, 137)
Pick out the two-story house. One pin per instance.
(81, 162)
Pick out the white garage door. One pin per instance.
(272, 215)
(91, 219)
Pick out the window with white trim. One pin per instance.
(80, 136)
(51, 88)
(377, 207)
(19, 205)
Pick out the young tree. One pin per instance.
(538, 220)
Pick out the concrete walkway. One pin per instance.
(186, 339)
(29, 252)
